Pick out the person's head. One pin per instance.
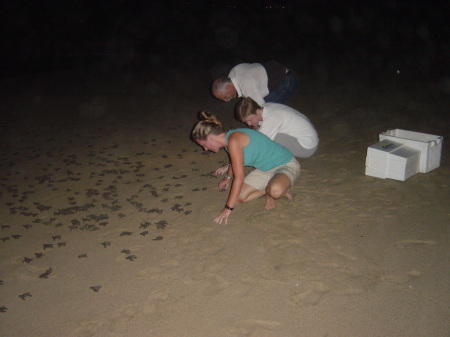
(207, 131)
(248, 112)
(223, 89)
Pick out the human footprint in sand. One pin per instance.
(276, 169)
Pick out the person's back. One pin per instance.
(261, 152)
(282, 124)
(263, 82)
(250, 80)
(282, 119)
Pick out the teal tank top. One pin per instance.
(261, 152)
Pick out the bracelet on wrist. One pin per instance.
(228, 207)
(228, 177)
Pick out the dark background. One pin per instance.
(68, 61)
(381, 35)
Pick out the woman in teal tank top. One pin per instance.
(276, 169)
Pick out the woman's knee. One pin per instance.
(275, 191)
(278, 186)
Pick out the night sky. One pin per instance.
(44, 35)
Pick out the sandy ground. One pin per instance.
(107, 214)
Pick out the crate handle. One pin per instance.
(433, 143)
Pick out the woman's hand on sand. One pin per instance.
(223, 216)
(220, 171)
(224, 184)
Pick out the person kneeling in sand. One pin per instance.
(276, 169)
(265, 82)
(280, 123)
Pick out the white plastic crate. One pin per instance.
(430, 146)
(389, 159)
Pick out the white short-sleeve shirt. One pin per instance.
(279, 118)
(250, 80)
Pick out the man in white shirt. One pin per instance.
(280, 123)
(264, 82)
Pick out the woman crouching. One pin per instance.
(276, 169)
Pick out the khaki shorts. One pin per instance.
(259, 179)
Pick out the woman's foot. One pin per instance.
(289, 195)
(270, 203)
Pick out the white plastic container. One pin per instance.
(389, 159)
(430, 146)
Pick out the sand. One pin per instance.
(107, 214)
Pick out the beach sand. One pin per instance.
(107, 213)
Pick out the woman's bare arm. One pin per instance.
(236, 143)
